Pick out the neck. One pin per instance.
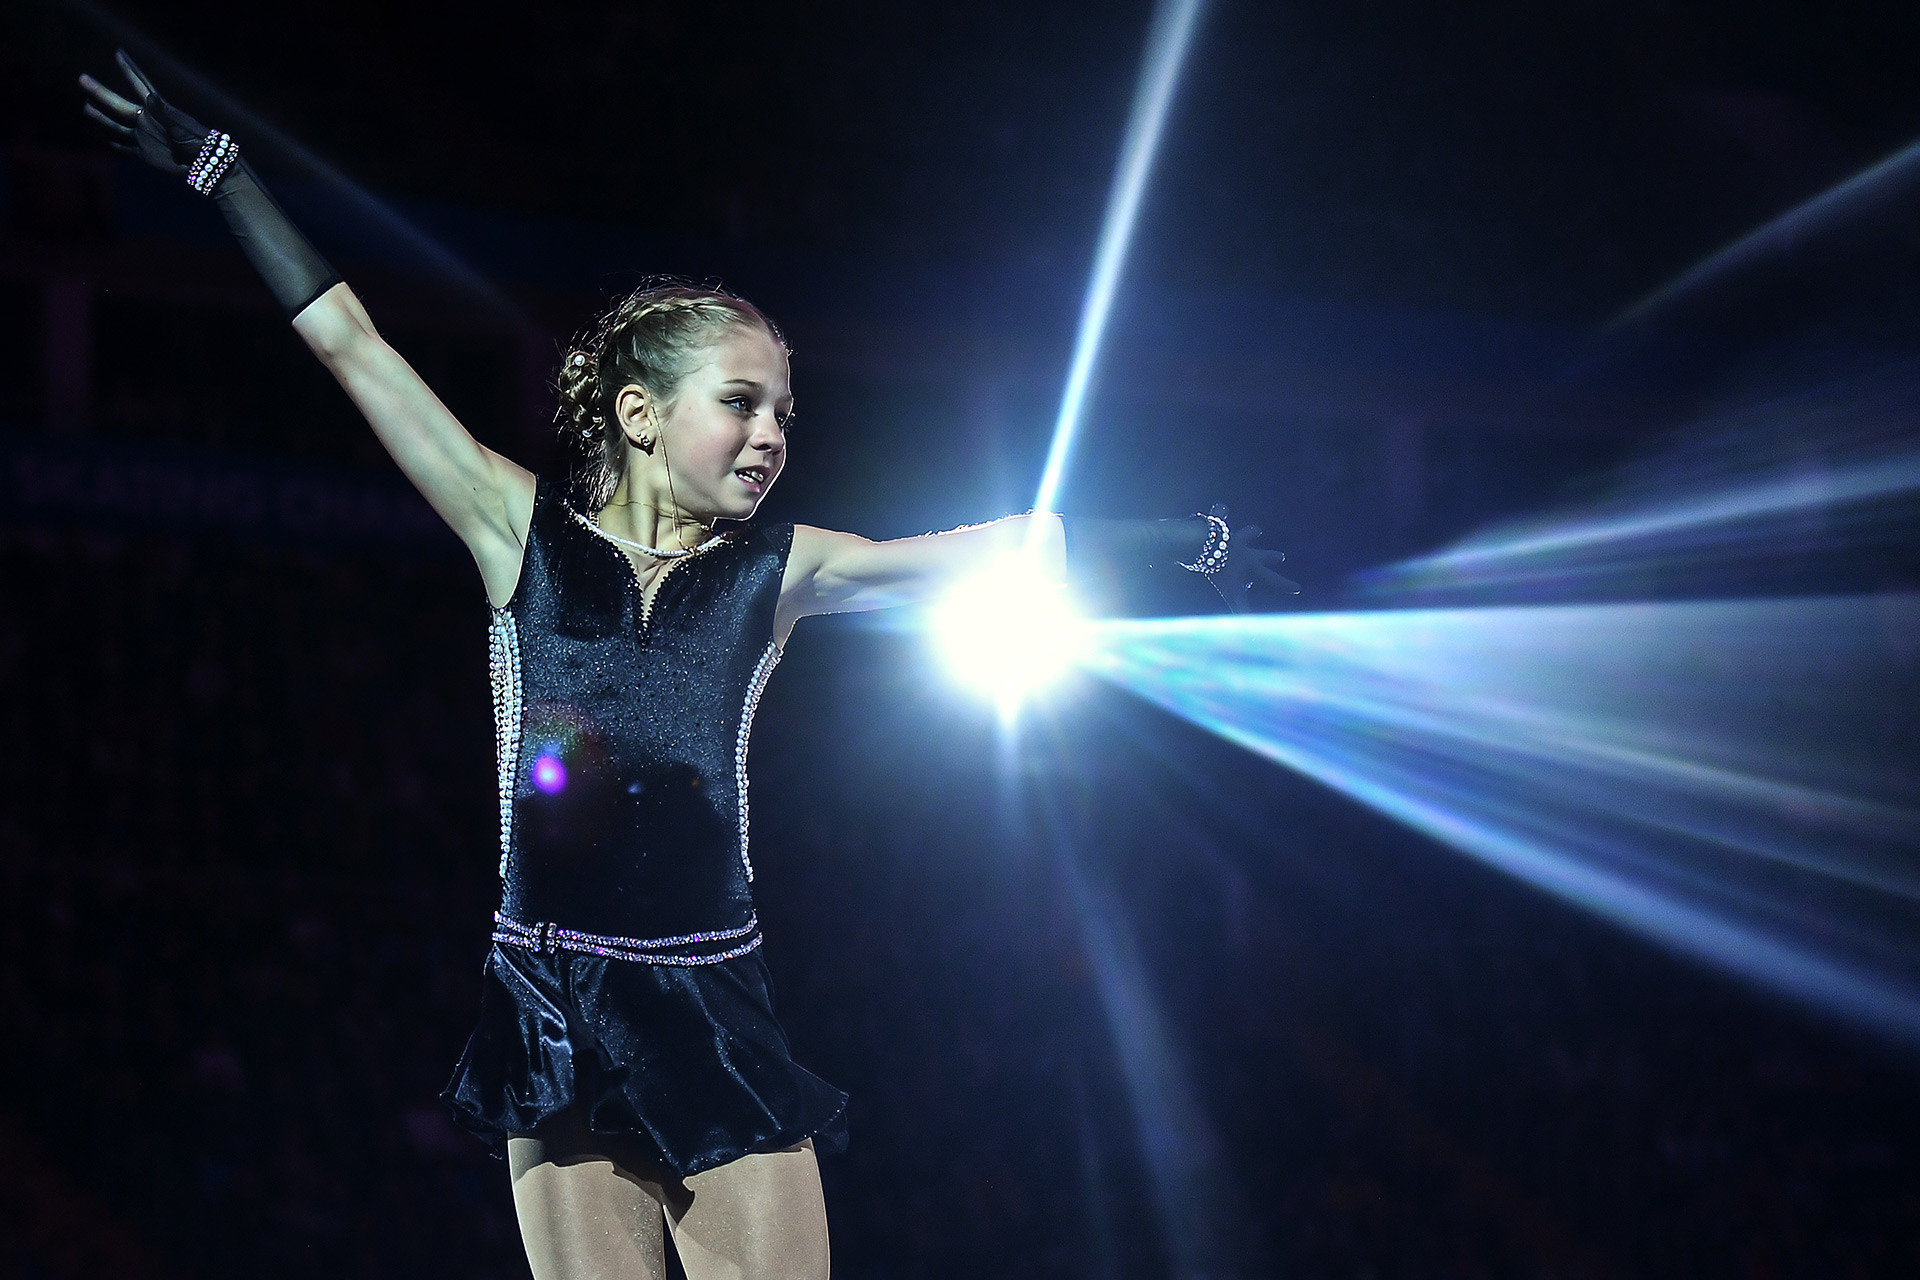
(636, 513)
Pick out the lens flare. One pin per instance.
(1008, 632)
(549, 770)
(1184, 1161)
(1731, 778)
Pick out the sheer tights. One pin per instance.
(586, 1214)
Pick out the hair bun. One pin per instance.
(577, 414)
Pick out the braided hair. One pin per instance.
(652, 338)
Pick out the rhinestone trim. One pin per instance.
(218, 151)
(658, 553)
(503, 661)
(647, 597)
(755, 687)
(550, 937)
(1213, 552)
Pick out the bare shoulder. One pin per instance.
(818, 552)
(804, 558)
(811, 548)
(808, 559)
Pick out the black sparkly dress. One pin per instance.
(625, 985)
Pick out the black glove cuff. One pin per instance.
(1097, 547)
(293, 269)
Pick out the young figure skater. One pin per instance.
(627, 1062)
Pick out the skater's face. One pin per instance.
(722, 441)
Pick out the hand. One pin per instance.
(170, 140)
(1248, 567)
(1097, 547)
(161, 134)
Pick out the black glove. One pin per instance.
(1097, 546)
(169, 139)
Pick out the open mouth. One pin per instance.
(755, 478)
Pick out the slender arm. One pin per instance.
(839, 573)
(486, 499)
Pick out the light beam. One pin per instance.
(1167, 42)
(1010, 651)
(1182, 1154)
(1796, 227)
(1729, 778)
(1832, 471)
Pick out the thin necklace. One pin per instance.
(658, 553)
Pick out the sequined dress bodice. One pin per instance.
(623, 730)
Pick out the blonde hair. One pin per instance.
(653, 339)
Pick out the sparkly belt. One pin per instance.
(551, 937)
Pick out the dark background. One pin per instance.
(245, 823)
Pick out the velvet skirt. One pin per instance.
(684, 1066)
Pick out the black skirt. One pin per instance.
(684, 1066)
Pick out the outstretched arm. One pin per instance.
(840, 573)
(486, 499)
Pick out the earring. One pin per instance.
(645, 443)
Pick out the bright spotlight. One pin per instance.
(1008, 631)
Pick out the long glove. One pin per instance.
(170, 140)
(1102, 546)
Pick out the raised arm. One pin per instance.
(486, 499)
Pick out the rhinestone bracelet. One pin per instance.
(1213, 552)
(217, 154)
